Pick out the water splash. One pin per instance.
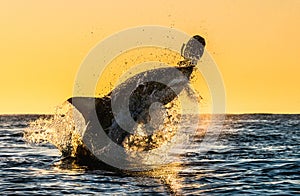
(64, 130)
(141, 141)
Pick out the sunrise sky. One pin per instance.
(255, 43)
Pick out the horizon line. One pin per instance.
(244, 113)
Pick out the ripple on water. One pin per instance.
(254, 155)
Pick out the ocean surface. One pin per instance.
(255, 154)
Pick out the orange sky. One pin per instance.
(255, 43)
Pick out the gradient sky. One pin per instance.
(255, 43)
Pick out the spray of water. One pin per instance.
(64, 130)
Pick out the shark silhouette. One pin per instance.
(157, 85)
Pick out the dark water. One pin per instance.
(254, 155)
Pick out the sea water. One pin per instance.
(255, 154)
